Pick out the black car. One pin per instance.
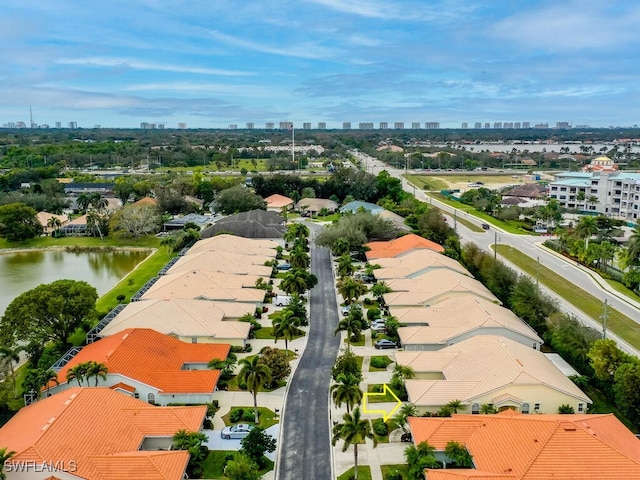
(385, 343)
(485, 226)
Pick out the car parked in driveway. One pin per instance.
(240, 430)
(345, 310)
(378, 326)
(384, 343)
(284, 266)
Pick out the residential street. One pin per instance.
(305, 445)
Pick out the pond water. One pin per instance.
(22, 271)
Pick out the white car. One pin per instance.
(378, 326)
(240, 430)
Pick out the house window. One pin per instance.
(151, 398)
(525, 409)
(581, 408)
(475, 408)
(194, 339)
(536, 407)
(136, 395)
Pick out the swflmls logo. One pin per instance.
(40, 467)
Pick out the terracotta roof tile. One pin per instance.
(276, 201)
(538, 447)
(413, 263)
(101, 431)
(154, 359)
(393, 248)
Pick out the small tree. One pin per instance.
(96, 370)
(458, 454)
(5, 456)
(347, 363)
(278, 363)
(419, 458)
(285, 324)
(406, 410)
(566, 409)
(242, 467)
(255, 375)
(353, 431)
(256, 444)
(193, 443)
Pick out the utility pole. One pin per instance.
(495, 246)
(604, 317)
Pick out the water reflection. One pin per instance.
(22, 271)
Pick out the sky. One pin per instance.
(214, 63)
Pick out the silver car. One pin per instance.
(240, 430)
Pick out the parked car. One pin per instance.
(240, 430)
(378, 326)
(345, 310)
(485, 226)
(365, 277)
(284, 266)
(282, 300)
(384, 343)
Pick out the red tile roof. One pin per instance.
(100, 431)
(537, 447)
(154, 359)
(406, 243)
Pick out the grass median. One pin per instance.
(620, 324)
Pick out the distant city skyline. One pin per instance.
(226, 64)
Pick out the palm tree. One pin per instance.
(285, 324)
(353, 431)
(93, 223)
(294, 282)
(77, 373)
(487, 409)
(458, 454)
(345, 266)
(83, 201)
(419, 458)
(586, 227)
(5, 456)
(98, 202)
(346, 390)
(456, 405)
(406, 410)
(582, 197)
(351, 289)
(298, 258)
(352, 326)
(12, 355)
(48, 376)
(254, 374)
(54, 223)
(97, 370)
(32, 382)
(592, 200)
(402, 373)
(379, 289)
(341, 247)
(633, 245)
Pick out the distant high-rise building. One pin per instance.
(541, 125)
(11, 125)
(507, 125)
(73, 125)
(58, 124)
(517, 125)
(398, 125)
(286, 125)
(432, 125)
(497, 124)
(487, 125)
(97, 126)
(477, 125)
(415, 125)
(161, 126)
(182, 126)
(384, 125)
(526, 124)
(365, 126)
(306, 126)
(144, 125)
(465, 125)
(322, 126)
(563, 125)
(250, 126)
(346, 125)
(233, 126)
(269, 125)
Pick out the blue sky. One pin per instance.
(215, 63)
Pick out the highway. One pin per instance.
(530, 246)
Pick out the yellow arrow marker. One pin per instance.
(385, 414)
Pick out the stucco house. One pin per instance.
(400, 246)
(311, 206)
(414, 263)
(278, 203)
(236, 244)
(493, 370)
(97, 434)
(51, 222)
(456, 319)
(149, 365)
(225, 262)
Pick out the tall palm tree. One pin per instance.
(456, 405)
(48, 376)
(12, 355)
(351, 326)
(83, 201)
(32, 382)
(5, 456)
(352, 431)
(298, 258)
(285, 324)
(346, 390)
(351, 289)
(77, 373)
(93, 223)
(254, 374)
(379, 289)
(633, 245)
(97, 370)
(294, 282)
(586, 227)
(98, 202)
(54, 223)
(420, 457)
(345, 265)
(406, 410)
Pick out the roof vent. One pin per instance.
(570, 429)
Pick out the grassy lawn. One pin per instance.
(623, 290)
(359, 343)
(266, 333)
(267, 417)
(379, 398)
(213, 466)
(426, 182)
(384, 438)
(89, 242)
(364, 473)
(403, 469)
(618, 323)
(382, 358)
(327, 218)
(232, 386)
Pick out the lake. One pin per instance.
(22, 271)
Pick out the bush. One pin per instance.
(380, 428)
(377, 389)
(235, 415)
(248, 416)
(368, 301)
(207, 424)
(379, 362)
(248, 348)
(242, 385)
(237, 349)
(120, 298)
(374, 334)
(373, 313)
(393, 475)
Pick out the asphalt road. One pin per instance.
(305, 442)
(530, 246)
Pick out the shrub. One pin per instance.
(374, 334)
(380, 428)
(379, 362)
(373, 313)
(368, 301)
(248, 416)
(120, 298)
(237, 349)
(236, 415)
(248, 348)
(377, 389)
(242, 385)
(207, 424)
(393, 475)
